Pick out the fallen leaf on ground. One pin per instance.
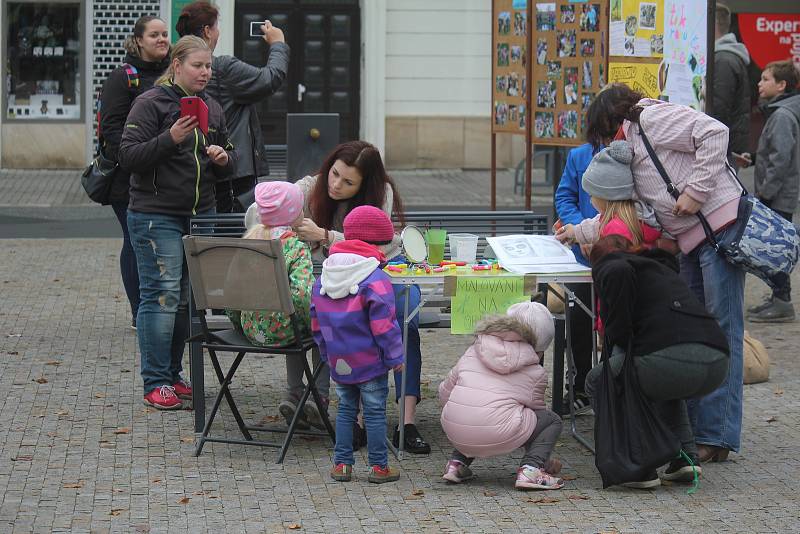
(213, 496)
(22, 458)
(187, 439)
(772, 419)
(156, 480)
(294, 526)
(117, 490)
(116, 511)
(56, 279)
(123, 430)
(488, 493)
(569, 477)
(543, 500)
(41, 380)
(99, 395)
(417, 492)
(578, 497)
(53, 362)
(184, 500)
(413, 497)
(271, 418)
(74, 485)
(778, 391)
(52, 434)
(199, 493)
(62, 412)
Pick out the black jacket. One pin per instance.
(240, 88)
(731, 104)
(116, 100)
(165, 177)
(641, 295)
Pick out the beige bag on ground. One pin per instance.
(756, 361)
(554, 303)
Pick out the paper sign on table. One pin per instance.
(477, 297)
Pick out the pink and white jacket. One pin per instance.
(489, 397)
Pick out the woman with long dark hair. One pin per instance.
(354, 175)
(693, 149)
(146, 58)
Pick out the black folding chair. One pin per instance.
(246, 274)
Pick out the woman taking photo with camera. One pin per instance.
(174, 166)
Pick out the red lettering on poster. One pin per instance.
(771, 36)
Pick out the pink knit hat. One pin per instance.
(279, 203)
(369, 224)
(538, 318)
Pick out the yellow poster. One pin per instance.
(476, 297)
(641, 77)
(636, 28)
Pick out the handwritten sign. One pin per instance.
(476, 297)
(641, 77)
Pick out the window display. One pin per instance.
(42, 60)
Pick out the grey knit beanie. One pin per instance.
(609, 175)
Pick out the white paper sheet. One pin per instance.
(524, 254)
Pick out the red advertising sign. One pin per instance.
(771, 36)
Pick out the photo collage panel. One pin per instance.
(569, 68)
(511, 56)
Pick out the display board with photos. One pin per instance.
(509, 66)
(569, 67)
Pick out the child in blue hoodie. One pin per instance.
(353, 322)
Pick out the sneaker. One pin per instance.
(649, 482)
(766, 303)
(359, 437)
(529, 477)
(778, 311)
(287, 408)
(182, 389)
(679, 470)
(163, 398)
(342, 472)
(381, 475)
(581, 405)
(457, 472)
(412, 440)
(312, 413)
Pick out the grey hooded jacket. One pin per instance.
(777, 172)
(239, 87)
(731, 104)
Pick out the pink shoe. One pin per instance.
(529, 477)
(182, 389)
(163, 398)
(456, 472)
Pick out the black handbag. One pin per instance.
(98, 177)
(631, 440)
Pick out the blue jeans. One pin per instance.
(163, 318)
(717, 417)
(127, 258)
(413, 349)
(373, 401)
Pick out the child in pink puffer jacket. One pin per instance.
(493, 398)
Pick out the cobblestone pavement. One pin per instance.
(79, 452)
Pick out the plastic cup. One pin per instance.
(435, 239)
(464, 247)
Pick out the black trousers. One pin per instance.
(228, 190)
(580, 325)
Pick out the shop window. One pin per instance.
(42, 49)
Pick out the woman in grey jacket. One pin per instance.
(239, 87)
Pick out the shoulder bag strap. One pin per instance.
(674, 190)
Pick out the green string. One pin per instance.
(696, 481)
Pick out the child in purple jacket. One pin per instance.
(353, 322)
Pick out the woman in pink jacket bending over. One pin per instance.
(494, 398)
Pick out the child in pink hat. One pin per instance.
(279, 206)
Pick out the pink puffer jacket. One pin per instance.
(490, 395)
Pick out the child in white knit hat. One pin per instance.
(493, 399)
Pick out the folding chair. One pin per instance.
(246, 274)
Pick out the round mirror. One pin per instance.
(251, 217)
(414, 246)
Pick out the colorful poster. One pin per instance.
(641, 77)
(477, 297)
(636, 28)
(685, 52)
(771, 36)
(509, 65)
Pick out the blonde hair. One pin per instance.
(259, 231)
(185, 46)
(625, 210)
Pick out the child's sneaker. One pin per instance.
(163, 398)
(312, 413)
(182, 389)
(342, 472)
(379, 475)
(456, 472)
(529, 477)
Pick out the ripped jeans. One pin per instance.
(162, 322)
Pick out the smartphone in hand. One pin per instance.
(194, 106)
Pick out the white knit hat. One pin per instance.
(538, 318)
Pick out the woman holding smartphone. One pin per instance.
(174, 167)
